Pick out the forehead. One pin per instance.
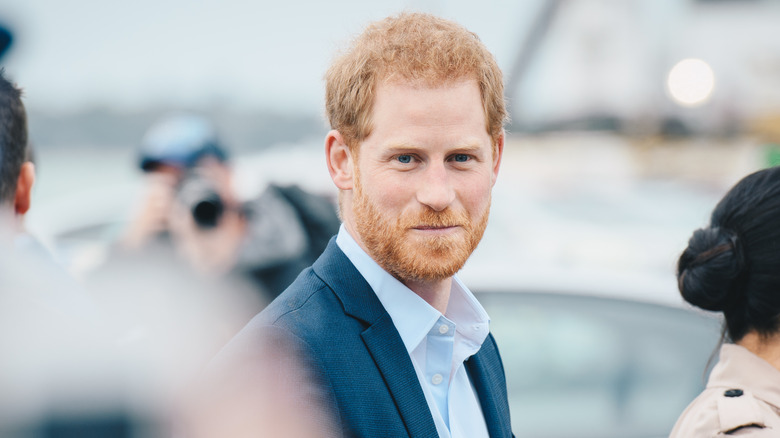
(454, 103)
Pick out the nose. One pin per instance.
(435, 189)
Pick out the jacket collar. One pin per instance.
(739, 368)
(356, 296)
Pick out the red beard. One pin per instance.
(409, 256)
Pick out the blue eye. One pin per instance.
(461, 158)
(406, 159)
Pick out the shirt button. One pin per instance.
(443, 329)
(436, 379)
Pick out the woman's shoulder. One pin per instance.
(722, 411)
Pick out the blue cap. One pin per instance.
(179, 140)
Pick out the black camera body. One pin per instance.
(200, 196)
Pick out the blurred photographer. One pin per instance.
(170, 150)
(191, 204)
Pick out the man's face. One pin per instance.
(423, 179)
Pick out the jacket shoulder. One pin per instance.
(720, 412)
(298, 296)
(308, 309)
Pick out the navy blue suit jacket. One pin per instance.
(358, 358)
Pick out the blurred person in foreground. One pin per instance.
(17, 177)
(397, 345)
(733, 267)
(57, 373)
(191, 203)
(68, 371)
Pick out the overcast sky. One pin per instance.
(77, 54)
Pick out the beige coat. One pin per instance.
(742, 398)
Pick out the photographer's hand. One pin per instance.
(151, 217)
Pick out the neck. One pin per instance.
(765, 347)
(435, 293)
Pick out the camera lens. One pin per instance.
(207, 211)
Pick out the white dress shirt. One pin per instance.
(437, 344)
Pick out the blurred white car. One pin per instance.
(585, 366)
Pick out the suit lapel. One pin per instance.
(380, 337)
(386, 347)
(486, 374)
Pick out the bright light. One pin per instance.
(690, 82)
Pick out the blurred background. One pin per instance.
(630, 119)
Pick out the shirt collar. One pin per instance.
(471, 319)
(412, 316)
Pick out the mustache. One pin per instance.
(430, 218)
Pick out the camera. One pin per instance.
(200, 196)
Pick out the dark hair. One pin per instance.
(13, 137)
(733, 266)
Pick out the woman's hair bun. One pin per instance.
(709, 268)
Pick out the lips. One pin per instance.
(434, 227)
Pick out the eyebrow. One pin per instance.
(468, 147)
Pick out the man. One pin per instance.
(17, 172)
(25, 263)
(398, 345)
(50, 332)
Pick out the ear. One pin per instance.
(499, 153)
(340, 162)
(24, 186)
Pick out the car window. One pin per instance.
(584, 366)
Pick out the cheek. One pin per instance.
(476, 196)
(389, 193)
